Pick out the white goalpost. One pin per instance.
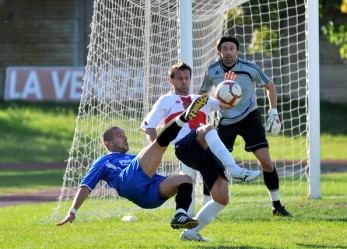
(132, 45)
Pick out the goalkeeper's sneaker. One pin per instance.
(281, 211)
(182, 220)
(194, 107)
(246, 176)
(191, 235)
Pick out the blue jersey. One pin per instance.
(107, 168)
(123, 173)
(248, 75)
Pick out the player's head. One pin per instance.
(179, 77)
(115, 140)
(227, 39)
(180, 65)
(227, 48)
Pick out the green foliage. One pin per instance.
(259, 13)
(337, 35)
(266, 38)
(317, 224)
(327, 7)
(333, 16)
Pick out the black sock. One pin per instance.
(184, 196)
(276, 204)
(206, 191)
(183, 118)
(271, 180)
(168, 133)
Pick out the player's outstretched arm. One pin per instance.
(80, 197)
(70, 217)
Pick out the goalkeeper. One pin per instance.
(245, 118)
(134, 176)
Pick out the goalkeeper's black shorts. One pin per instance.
(250, 129)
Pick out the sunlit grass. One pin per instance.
(242, 224)
(44, 133)
(21, 181)
(36, 133)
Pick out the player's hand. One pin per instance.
(69, 218)
(273, 123)
(230, 76)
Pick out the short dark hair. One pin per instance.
(227, 39)
(180, 65)
(108, 133)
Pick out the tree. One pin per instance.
(332, 15)
(333, 18)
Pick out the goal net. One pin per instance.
(132, 45)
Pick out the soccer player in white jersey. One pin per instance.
(245, 118)
(197, 145)
(134, 176)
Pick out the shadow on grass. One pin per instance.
(27, 179)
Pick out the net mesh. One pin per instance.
(133, 44)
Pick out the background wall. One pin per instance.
(43, 33)
(56, 33)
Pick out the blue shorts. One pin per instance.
(138, 187)
(189, 152)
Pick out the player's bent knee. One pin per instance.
(186, 179)
(267, 166)
(207, 128)
(222, 200)
(202, 131)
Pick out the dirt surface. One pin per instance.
(52, 195)
(27, 198)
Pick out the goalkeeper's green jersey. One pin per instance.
(248, 74)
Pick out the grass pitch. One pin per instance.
(42, 133)
(242, 224)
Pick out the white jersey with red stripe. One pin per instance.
(170, 105)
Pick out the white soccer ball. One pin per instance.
(129, 218)
(228, 93)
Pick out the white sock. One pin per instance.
(274, 194)
(221, 152)
(207, 198)
(180, 210)
(207, 214)
(179, 122)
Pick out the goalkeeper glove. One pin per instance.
(273, 123)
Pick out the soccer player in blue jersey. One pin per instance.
(245, 118)
(134, 176)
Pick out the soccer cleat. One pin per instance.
(246, 176)
(190, 235)
(181, 220)
(194, 107)
(281, 211)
